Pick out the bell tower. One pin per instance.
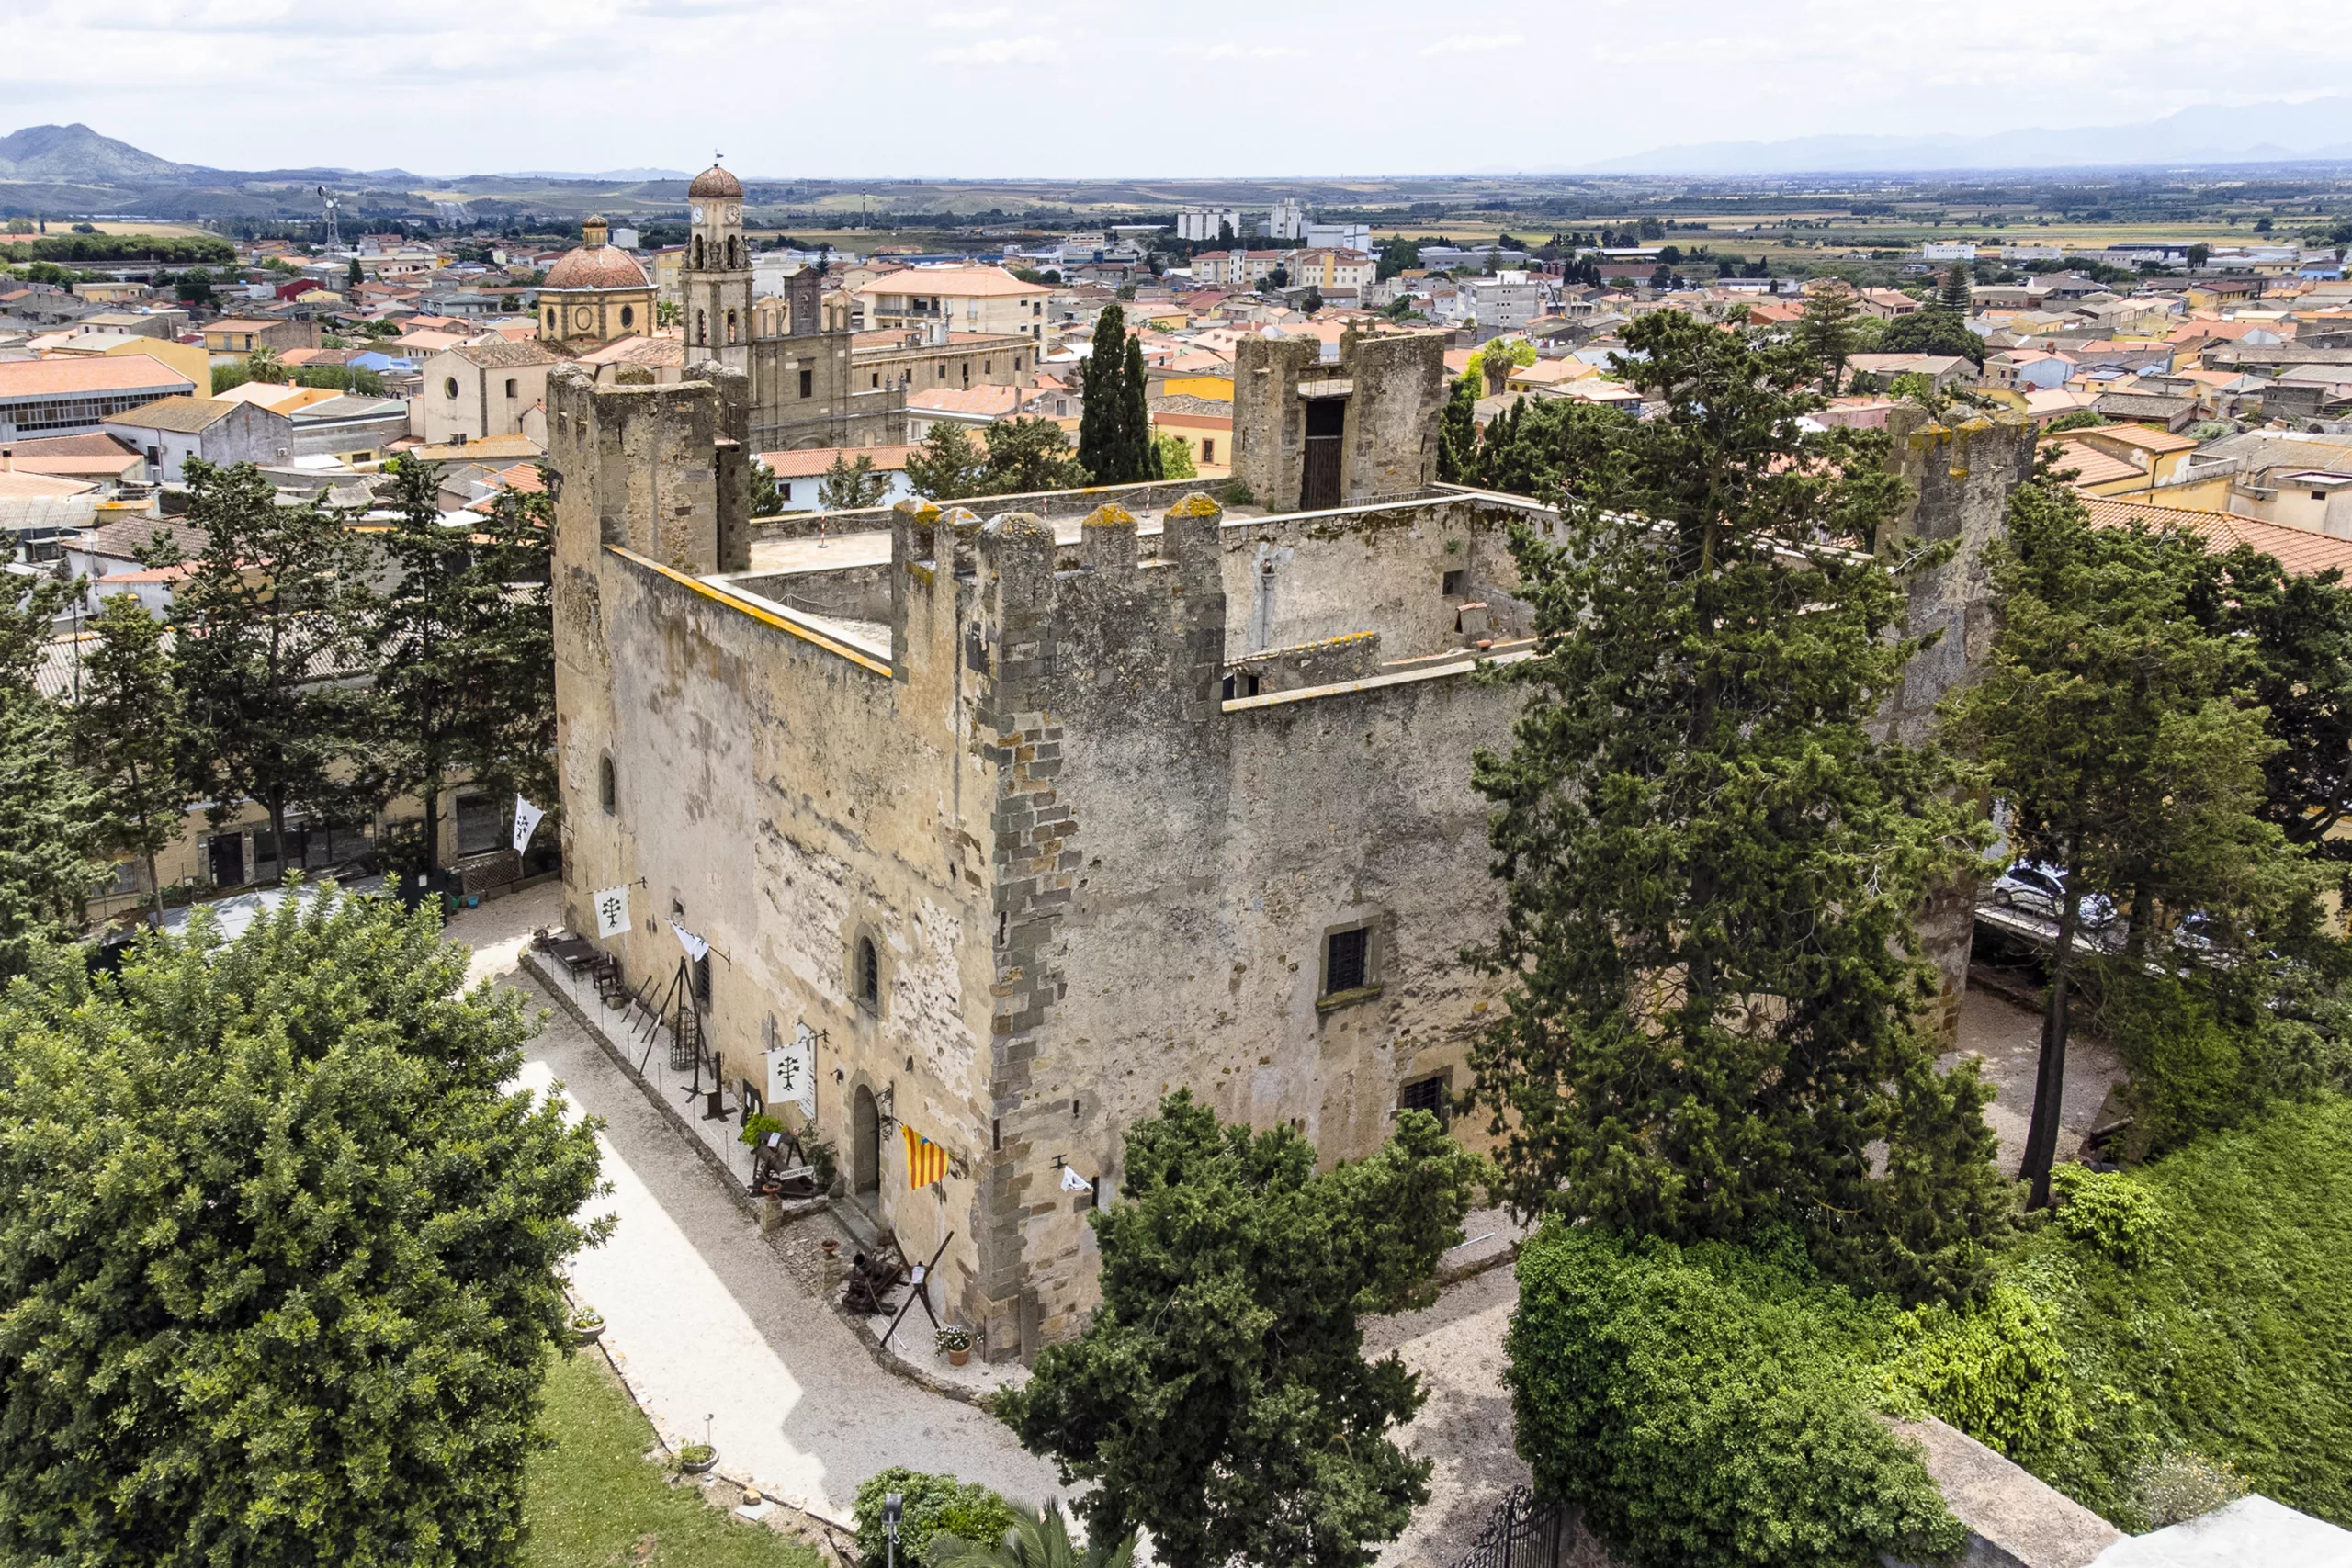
(716, 280)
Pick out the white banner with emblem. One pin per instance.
(792, 1072)
(612, 911)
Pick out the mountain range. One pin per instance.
(2317, 130)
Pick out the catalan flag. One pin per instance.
(926, 1161)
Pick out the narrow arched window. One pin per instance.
(698, 252)
(702, 326)
(869, 972)
(731, 326)
(607, 784)
(629, 316)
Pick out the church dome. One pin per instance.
(716, 181)
(596, 266)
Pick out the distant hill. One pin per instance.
(2318, 130)
(76, 155)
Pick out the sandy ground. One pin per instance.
(703, 1318)
(2007, 1039)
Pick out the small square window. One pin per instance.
(1450, 584)
(807, 383)
(1344, 960)
(1425, 1094)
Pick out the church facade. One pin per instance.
(798, 361)
(795, 350)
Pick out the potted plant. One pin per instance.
(757, 1127)
(956, 1344)
(587, 1323)
(821, 1161)
(697, 1458)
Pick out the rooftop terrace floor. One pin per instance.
(872, 548)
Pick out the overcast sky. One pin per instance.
(1093, 87)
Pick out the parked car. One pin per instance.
(2032, 889)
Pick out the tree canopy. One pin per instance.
(277, 1250)
(1219, 1397)
(2115, 729)
(1710, 866)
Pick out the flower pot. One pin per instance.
(700, 1467)
(958, 1358)
(830, 1247)
(587, 1335)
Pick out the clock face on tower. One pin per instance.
(734, 213)
(694, 213)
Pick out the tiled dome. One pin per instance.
(603, 266)
(716, 181)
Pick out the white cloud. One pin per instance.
(447, 88)
(1000, 51)
(1474, 43)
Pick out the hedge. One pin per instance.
(1708, 1408)
(2232, 1338)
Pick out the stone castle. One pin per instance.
(1036, 814)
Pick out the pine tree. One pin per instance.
(1457, 433)
(1710, 866)
(946, 464)
(47, 862)
(127, 730)
(267, 626)
(2110, 722)
(1826, 332)
(1219, 1394)
(463, 651)
(1955, 294)
(1103, 392)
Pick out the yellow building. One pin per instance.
(184, 357)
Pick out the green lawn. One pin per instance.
(594, 1501)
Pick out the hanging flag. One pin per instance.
(612, 911)
(696, 947)
(1073, 1183)
(526, 822)
(926, 1161)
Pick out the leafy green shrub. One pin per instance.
(1997, 1372)
(2184, 1484)
(2232, 1339)
(934, 1505)
(1708, 1407)
(2110, 1211)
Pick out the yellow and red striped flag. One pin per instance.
(926, 1161)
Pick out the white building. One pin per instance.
(1339, 236)
(1505, 302)
(1207, 223)
(1287, 222)
(1948, 249)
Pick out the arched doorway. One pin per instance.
(865, 1147)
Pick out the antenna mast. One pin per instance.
(335, 228)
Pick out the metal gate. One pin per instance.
(1526, 1532)
(1327, 422)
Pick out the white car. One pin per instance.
(2032, 889)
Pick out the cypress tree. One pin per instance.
(1142, 457)
(1102, 389)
